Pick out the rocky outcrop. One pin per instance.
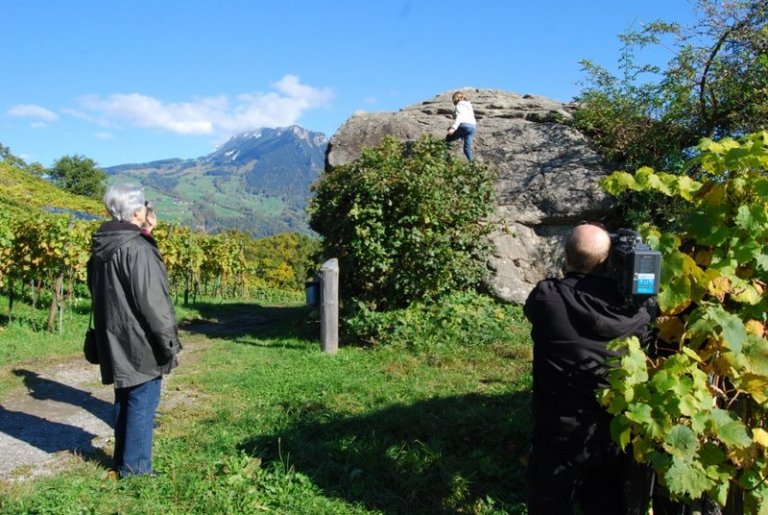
(548, 177)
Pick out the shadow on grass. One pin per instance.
(35, 322)
(243, 322)
(442, 455)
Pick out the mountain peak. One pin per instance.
(316, 139)
(251, 145)
(258, 181)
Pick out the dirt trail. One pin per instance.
(63, 411)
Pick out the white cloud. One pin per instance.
(32, 111)
(144, 111)
(103, 135)
(217, 116)
(296, 91)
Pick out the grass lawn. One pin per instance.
(271, 424)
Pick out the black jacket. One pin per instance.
(573, 319)
(132, 310)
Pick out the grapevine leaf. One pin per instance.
(687, 186)
(735, 157)
(701, 422)
(719, 417)
(754, 384)
(639, 413)
(642, 449)
(734, 332)
(618, 182)
(730, 430)
(711, 194)
(688, 404)
(708, 226)
(687, 478)
(692, 354)
(681, 442)
(746, 294)
(760, 187)
(621, 431)
(754, 220)
(746, 250)
(646, 178)
(675, 296)
(664, 381)
(734, 434)
(670, 328)
(756, 353)
(761, 259)
(719, 287)
(699, 327)
(731, 327)
(635, 367)
(711, 454)
(760, 437)
(653, 180)
(720, 493)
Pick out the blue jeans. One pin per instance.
(135, 409)
(467, 132)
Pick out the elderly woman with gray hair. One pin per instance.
(135, 324)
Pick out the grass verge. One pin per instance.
(271, 424)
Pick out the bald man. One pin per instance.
(573, 461)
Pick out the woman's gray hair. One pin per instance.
(123, 200)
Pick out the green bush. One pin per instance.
(405, 222)
(461, 318)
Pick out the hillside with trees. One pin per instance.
(45, 236)
(257, 183)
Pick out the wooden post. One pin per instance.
(329, 319)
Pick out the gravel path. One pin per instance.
(64, 411)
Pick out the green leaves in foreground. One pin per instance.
(645, 179)
(670, 418)
(695, 407)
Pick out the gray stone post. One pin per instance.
(329, 318)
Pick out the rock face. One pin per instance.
(548, 176)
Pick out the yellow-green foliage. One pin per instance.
(36, 245)
(697, 410)
(21, 190)
(283, 261)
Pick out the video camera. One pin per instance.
(634, 266)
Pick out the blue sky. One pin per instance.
(135, 81)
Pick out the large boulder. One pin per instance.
(548, 175)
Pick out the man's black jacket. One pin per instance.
(573, 319)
